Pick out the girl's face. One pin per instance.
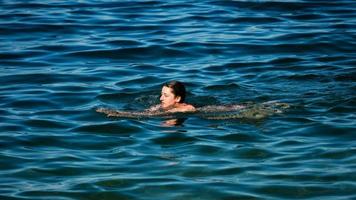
(168, 99)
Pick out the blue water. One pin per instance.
(61, 59)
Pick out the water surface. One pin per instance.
(60, 60)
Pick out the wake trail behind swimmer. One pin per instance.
(217, 112)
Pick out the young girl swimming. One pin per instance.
(173, 102)
(172, 98)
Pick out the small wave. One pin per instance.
(44, 123)
(174, 139)
(231, 86)
(34, 103)
(124, 43)
(108, 128)
(254, 20)
(130, 53)
(47, 78)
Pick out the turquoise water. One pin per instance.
(60, 60)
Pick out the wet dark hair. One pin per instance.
(178, 89)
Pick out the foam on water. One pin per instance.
(219, 112)
(59, 60)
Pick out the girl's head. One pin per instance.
(172, 94)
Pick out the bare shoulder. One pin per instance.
(189, 108)
(184, 108)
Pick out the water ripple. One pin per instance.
(62, 59)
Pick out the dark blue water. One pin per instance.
(61, 59)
